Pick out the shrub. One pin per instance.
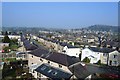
(99, 62)
(86, 59)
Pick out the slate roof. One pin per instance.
(40, 52)
(27, 43)
(79, 71)
(62, 59)
(104, 49)
(58, 42)
(52, 72)
(20, 53)
(22, 38)
(68, 45)
(55, 57)
(103, 69)
(29, 46)
(112, 43)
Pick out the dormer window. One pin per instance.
(60, 66)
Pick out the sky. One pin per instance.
(59, 14)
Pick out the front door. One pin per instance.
(110, 62)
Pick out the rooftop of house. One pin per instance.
(54, 56)
(20, 53)
(52, 72)
(58, 42)
(111, 43)
(68, 45)
(82, 72)
(34, 66)
(92, 68)
(22, 37)
(40, 52)
(29, 46)
(62, 59)
(103, 49)
(79, 71)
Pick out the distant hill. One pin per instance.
(103, 28)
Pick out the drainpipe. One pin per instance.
(107, 59)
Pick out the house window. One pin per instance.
(33, 71)
(115, 62)
(48, 62)
(23, 56)
(104, 54)
(115, 56)
(60, 66)
(41, 60)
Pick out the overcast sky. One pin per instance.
(59, 14)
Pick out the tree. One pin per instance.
(99, 62)
(6, 49)
(86, 59)
(6, 39)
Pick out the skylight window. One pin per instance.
(43, 68)
(54, 73)
(47, 55)
(49, 71)
(42, 55)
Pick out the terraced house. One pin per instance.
(55, 63)
(107, 56)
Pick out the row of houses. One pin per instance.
(62, 47)
(11, 36)
(107, 56)
(46, 64)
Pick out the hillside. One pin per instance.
(103, 28)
